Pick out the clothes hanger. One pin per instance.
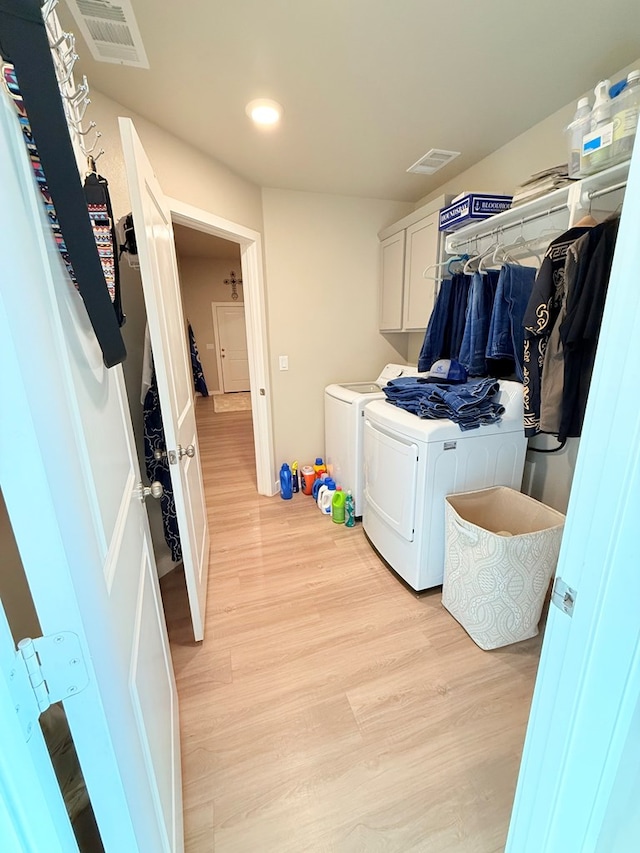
(460, 259)
(457, 259)
(433, 267)
(587, 221)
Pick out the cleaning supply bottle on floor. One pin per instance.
(308, 477)
(294, 477)
(349, 510)
(317, 485)
(325, 497)
(319, 467)
(337, 505)
(286, 485)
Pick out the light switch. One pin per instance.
(284, 362)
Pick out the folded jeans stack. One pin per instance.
(469, 405)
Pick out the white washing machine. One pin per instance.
(411, 464)
(343, 422)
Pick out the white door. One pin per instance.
(69, 475)
(232, 343)
(579, 784)
(161, 286)
(25, 767)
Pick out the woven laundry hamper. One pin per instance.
(501, 549)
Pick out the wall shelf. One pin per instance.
(562, 207)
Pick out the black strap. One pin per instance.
(23, 41)
(549, 449)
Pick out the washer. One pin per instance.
(411, 464)
(343, 422)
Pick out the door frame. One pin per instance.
(216, 338)
(250, 243)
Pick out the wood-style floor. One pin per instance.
(329, 709)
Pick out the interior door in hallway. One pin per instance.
(167, 330)
(232, 343)
(70, 478)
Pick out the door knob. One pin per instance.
(159, 454)
(189, 451)
(155, 490)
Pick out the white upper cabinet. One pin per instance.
(392, 281)
(422, 249)
(407, 248)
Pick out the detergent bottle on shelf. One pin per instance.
(625, 109)
(286, 485)
(349, 510)
(597, 142)
(338, 505)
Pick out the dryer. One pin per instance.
(343, 422)
(411, 464)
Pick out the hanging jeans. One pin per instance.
(478, 318)
(506, 333)
(434, 338)
(457, 316)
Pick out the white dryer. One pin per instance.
(343, 422)
(411, 464)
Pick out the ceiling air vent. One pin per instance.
(433, 160)
(110, 30)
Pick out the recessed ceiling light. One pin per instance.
(264, 111)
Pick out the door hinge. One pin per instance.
(47, 670)
(563, 596)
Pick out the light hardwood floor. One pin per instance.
(329, 709)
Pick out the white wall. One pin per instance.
(202, 282)
(183, 171)
(322, 272)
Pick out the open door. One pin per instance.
(579, 785)
(161, 286)
(71, 482)
(32, 811)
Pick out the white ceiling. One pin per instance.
(368, 86)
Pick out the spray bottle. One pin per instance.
(580, 124)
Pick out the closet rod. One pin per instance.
(516, 222)
(606, 190)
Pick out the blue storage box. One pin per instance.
(472, 208)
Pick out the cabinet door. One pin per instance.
(392, 251)
(421, 250)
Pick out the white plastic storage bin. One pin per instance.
(501, 550)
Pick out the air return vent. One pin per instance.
(433, 160)
(110, 30)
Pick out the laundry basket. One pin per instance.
(501, 549)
